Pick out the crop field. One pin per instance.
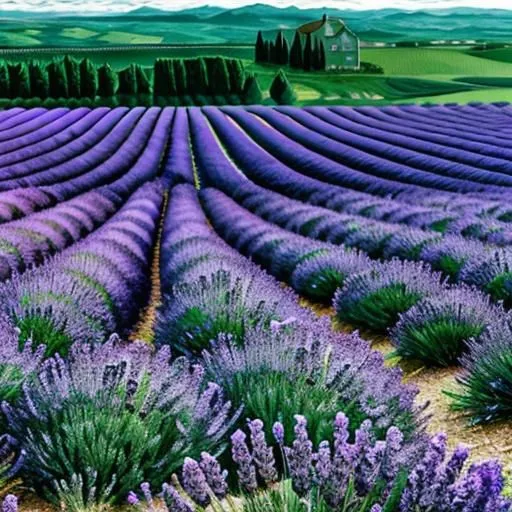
(226, 309)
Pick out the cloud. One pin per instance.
(127, 5)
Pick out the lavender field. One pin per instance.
(250, 309)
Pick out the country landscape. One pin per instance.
(255, 258)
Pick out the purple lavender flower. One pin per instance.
(300, 457)
(262, 454)
(194, 481)
(215, 477)
(10, 504)
(242, 458)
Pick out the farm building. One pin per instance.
(340, 43)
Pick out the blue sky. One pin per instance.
(126, 5)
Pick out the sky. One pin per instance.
(127, 5)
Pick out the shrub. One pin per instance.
(492, 272)
(94, 426)
(319, 277)
(375, 298)
(252, 94)
(303, 367)
(485, 385)
(226, 302)
(437, 329)
(281, 90)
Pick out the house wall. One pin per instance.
(341, 51)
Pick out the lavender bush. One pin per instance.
(225, 301)
(376, 297)
(303, 367)
(437, 329)
(110, 416)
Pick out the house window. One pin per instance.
(334, 47)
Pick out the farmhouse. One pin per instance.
(340, 43)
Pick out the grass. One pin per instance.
(123, 38)
(78, 33)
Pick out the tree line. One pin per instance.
(309, 56)
(170, 78)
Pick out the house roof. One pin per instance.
(336, 25)
(314, 26)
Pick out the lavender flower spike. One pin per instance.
(242, 457)
(262, 453)
(10, 504)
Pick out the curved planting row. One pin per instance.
(93, 288)
(59, 133)
(267, 171)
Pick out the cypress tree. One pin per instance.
(281, 89)
(307, 61)
(197, 76)
(285, 53)
(252, 94)
(323, 61)
(143, 84)
(4, 80)
(19, 80)
(38, 80)
(180, 77)
(127, 79)
(106, 81)
(88, 79)
(259, 50)
(316, 55)
(272, 53)
(296, 52)
(278, 45)
(73, 76)
(219, 78)
(163, 78)
(267, 52)
(57, 79)
(236, 75)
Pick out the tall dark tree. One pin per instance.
(143, 84)
(38, 80)
(323, 61)
(106, 81)
(219, 77)
(316, 55)
(4, 80)
(272, 57)
(127, 79)
(57, 78)
(267, 51)
(296, 60)
(285, 53)
(19, 80)
(197, 76)
(88, 79)
(163, 78)
(281, 90)
(278, 45)
(236, 75)
(73, 76)
(259, 50)
(307, 61)
(180, 77)
(252, 94)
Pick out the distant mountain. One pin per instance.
(212, 24)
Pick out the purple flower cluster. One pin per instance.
(360, 473)
(179, 414)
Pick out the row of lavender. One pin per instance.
(296, 387)
(300, 244)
